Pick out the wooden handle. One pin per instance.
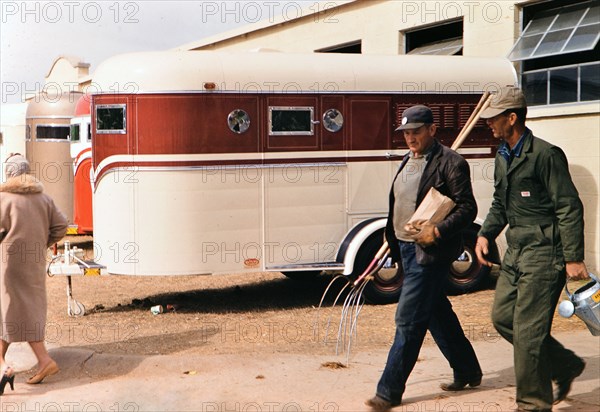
(473, 119)
(482, 100)
(459, 140)
(382, 250)
(380, 254)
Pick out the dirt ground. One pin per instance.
(230, 314)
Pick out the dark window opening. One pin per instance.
(442, 39)
(291, 121)
(590, 82)
(111, 119)
(74, 133)
(354, 47)
(52, 132)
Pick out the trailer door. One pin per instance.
(305, 186)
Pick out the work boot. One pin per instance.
(563, 387)
(460, 384)
(379, 404)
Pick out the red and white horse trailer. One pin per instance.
(47, 145)
(213, 162)
(81, 152)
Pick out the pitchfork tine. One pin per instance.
(340, 276)
(343, 318)
(332, 306)
(348, 317)
(344, 322)
(349, 314)
(360, 302)
(317, 317)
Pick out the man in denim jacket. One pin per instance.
(426, 257)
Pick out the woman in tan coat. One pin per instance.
(29, 223)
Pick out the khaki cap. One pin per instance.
(506, 98)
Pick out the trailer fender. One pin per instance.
(354, 240)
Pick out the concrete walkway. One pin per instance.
(92, 381)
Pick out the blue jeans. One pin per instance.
(423, 305)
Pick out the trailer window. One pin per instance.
(111, 119)
(74, 135)
(52, 133)
(291, 121)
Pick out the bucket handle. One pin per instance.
(569, 294)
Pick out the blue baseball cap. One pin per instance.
(415, 117)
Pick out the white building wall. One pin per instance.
(579, 136)
(12, 127)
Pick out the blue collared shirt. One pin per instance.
(509, 154)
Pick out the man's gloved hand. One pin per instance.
(423, 233)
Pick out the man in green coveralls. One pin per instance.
(535, 196)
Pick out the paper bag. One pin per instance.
(434, 208)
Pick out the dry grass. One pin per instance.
(239, 313)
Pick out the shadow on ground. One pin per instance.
(280, 293)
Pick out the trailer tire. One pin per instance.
(387, 283)
(466, 273)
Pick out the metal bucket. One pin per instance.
(585, 303)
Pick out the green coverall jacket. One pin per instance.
(536, 190)
(537, 199)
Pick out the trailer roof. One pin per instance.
(264, 71)
(53, 105)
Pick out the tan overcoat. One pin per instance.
(29, 224)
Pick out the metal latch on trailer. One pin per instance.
(71, 263)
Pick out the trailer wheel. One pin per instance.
(385, 286)
(305, 275)
(466, 273)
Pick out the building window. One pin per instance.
(558, 49)
(354, 47)
(442, 39)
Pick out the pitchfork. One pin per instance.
(354, 301)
